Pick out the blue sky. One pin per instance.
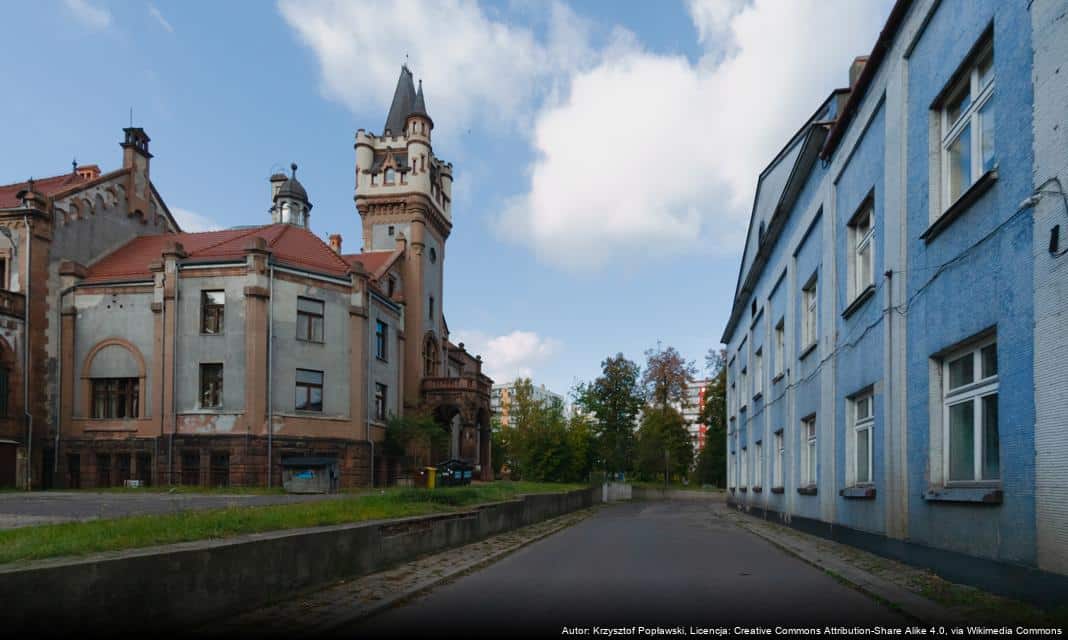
(605, 152)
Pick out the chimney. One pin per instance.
(855, 69)
(335, 242)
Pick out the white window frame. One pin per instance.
(862, 250)
(743, 388)
(732, 470)
(810, 452)
(974, 392)
(758, 373)
(809, 312)
(780, 456)
(758, 464)
(859, 424)
(979, 95)
(780, 347)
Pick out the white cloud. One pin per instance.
(477, 70)
(192, 222)
(91, 16)
(652, 154)
(154, 12)
(510, 356)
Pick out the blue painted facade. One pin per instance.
(947, 274)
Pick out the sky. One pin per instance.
(605, 152)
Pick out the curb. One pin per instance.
(902, 600)
(389, 602)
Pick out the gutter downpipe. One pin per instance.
(26, 358)
(174, 371)
(270, 363)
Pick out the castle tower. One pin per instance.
(289, 200)
(403, 188)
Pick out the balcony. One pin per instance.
(12, 304)
(456, 385)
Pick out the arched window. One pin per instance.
(431, 357)
(389, 176)
(113, 381)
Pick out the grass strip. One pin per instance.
(81, 538)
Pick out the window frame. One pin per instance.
(743, 387)
(780, 348)
(758, 463)
(308, 388)
(974, 392)
(309, 334)
(381, 398)
(777, 474)
(381, 340)
(218, 392)
(810, 452)
(862, 243)
(979, 94)
(743, 481)
(212, 312)
(857, 425)
(126, 390)
(758, 373)
(810, 312)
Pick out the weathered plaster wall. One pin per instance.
(102, 316)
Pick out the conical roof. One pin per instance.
(292, 187)
(403, 100)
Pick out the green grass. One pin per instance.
(80, 538)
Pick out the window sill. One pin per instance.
(758, 396)
(778, 490)
(743, 489)
(858, 493)
(807, 350)
(778, 376)
(758, 489)
(859, 301)
(807, 491)
(302, 340)
(209, 333)
(381, 359)
(975, 495)
(962, 204)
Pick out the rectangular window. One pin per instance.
(808, 313)
(863, 428)
(743, 387)
(381, 339)
(211, 386)
(103, 470)
(4, 391)
(780, 456)
(212, 308)
(74, 471)
(309, 320)
(191, 468)
(758, 373)
(861, 234)
(967, 116)
(758, 464)
(122, 469)
(970, 399)
(780, 347)
(115, 398)
(309, 390)
(744, 458)
(808, 463)
(3, 273)
(430, 308)
(144, 469)
(380, 401)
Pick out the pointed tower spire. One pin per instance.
(419, 107)
(403, 99)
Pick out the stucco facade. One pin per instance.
(913, 290)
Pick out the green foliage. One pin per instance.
(414, 435)
(663, 444)
(614, 401)
(541, 444)
(501, 437)
(712, 461)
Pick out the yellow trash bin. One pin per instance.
(431, 477)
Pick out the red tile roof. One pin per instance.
(372, 260)
(48, 186)
(290, 245)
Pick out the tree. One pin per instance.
(712, 461)
(502, 437)
(666, 377)
(544, 445)
(414, 436)
(614, 400)
(664, 444)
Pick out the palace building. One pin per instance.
(136, 351)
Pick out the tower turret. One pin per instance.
(290, 202)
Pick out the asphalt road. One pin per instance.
(643, 563)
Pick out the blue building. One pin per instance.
(898, 341)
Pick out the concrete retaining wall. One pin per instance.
(192, 583)
(644, 493)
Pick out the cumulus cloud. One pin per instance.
(514, 355)
(477, 69)
(193, 222)
(654, 154)
(155, 13)
(88, 14)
